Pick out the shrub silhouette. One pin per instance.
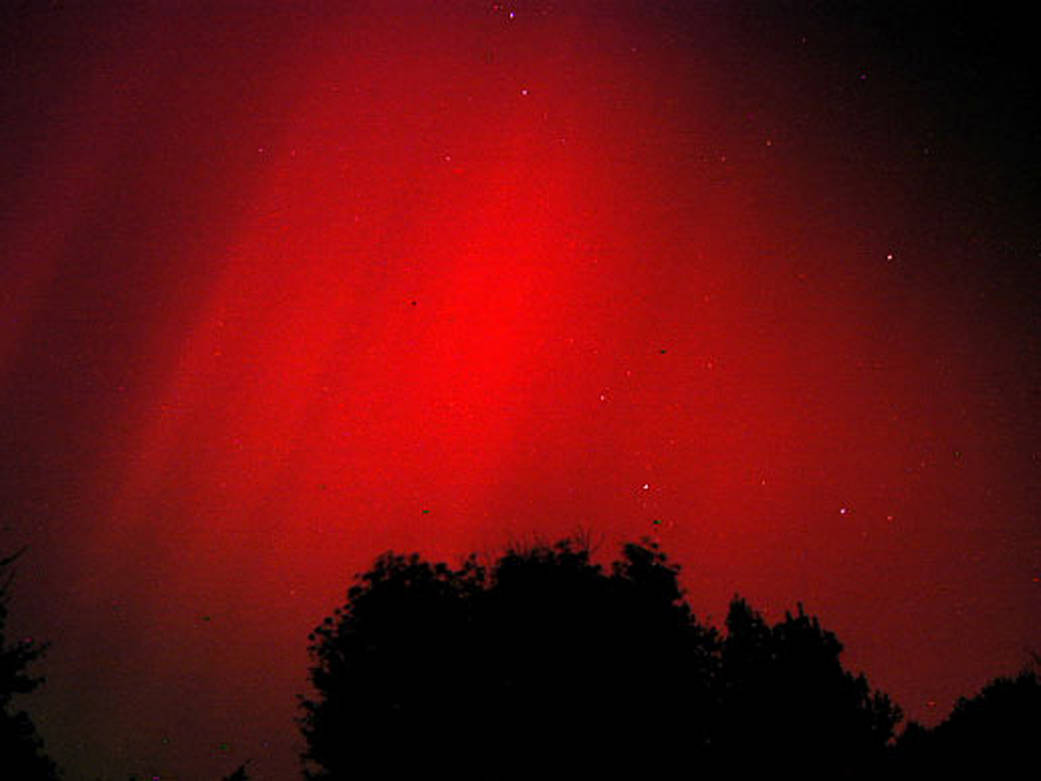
(21, 749)
(545, 663)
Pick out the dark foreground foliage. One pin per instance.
(546, 664)
(992, 735)
(21, 749)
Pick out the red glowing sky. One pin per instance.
(284, 289)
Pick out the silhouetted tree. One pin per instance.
(21, 749)
(545, 663)
(910, 755)
(994, 734)
(387, 664)
(784, 687)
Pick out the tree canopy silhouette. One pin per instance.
(21, 749)
(546, 662)
(784, 686)
(994, 733)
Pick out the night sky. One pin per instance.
(284, 286)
